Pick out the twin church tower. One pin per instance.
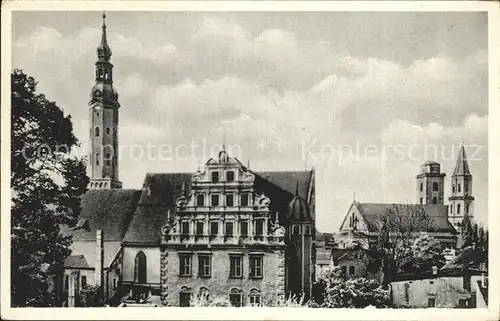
(430, 188)
(104, 147)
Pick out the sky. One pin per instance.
(364, 98)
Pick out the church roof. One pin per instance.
(159, 194)
(372, 214)
(107, 210)
(461, 167)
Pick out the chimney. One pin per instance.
(99, 258)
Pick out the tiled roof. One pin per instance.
(76, 262)
(159, 194)
(106, 210)
(373, 212)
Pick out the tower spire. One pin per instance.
(104, 51)
(462, 166)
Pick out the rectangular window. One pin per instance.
(214, 228)
(244, 228)
(351, 270)
(215, 200)
(462, 303)
(204, 265)
(431, 302)
(200, 200)
(199, 228)
(244, 199)
(115, 283)
(236, 299)
(256, 266)
(229, 176)
(259, 229)
(343, 268)
(255, 300)
(229, 200)
(84, 280)
(235, 266)
(215, 177)
(185, 264)
(229, 229)
(184, 299)
(184, 230)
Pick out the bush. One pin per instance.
(90, 296)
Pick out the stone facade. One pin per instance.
(226, 223)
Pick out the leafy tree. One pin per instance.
(390, 249)
(467, 232)
(46, 187)
(425, 252)
(353, 293)
(91, 296)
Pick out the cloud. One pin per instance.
(275, 84)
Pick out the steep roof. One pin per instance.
(76, 262)
(372, 214)
(462, 166)
(159, 194)
(106, 210)
(161, 190)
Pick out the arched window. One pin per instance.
(108, 130)
(453, 188)
(204, 294)
(96, 131)
(140, 274)
(236, 297)
(459, 188)
(435, 186)
(451, 209)
(434, 200)
(254, 297)
(421, 186)
(97, 159)
(458, 209)
(467, 208)
(185, 297)
(108, 159)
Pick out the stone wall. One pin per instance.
(219, 285)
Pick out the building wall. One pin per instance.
(447, 292)
(219, 284)
(152, 263)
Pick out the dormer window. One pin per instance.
(230, 176)
(215, 177)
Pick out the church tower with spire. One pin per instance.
(103, 114)
(461, 199)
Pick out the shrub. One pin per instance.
(90, 296)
